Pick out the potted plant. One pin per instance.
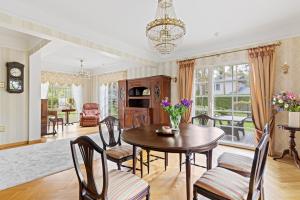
(288, 101)
(176, 111)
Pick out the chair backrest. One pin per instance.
(52, 113)
(203, 120)
(110, 122)
(139, 120)
(90, 108)
(259, 164)
(88, 187)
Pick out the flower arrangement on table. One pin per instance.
(176, 111)
(288, 101)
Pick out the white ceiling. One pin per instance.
(64, 57)
(121, 24)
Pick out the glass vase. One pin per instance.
(175, 121)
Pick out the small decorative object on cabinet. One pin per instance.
(288, 101)
(143, 96)
(15, 77)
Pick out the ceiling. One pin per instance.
(59, 56)
(212, 25)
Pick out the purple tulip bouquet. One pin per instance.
(176, 111)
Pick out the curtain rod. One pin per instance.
(227, 52)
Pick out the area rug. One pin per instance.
(23, 164)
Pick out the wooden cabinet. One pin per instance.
(44, 116)
(122, 96)
(143, 96)
(130, 112)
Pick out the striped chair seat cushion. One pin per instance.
(237, 163)
(125, 186)
(119, 152)
(224, 183)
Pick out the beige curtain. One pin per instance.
(185, 84)
(262, 60)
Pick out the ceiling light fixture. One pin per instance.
(82, 73)
(166, 31)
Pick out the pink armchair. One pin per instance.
(90, 115)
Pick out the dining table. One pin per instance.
(189, 139)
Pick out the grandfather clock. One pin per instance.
(15, 77)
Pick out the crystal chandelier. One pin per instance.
(165, 32)
(82, 73)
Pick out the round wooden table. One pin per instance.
(190, 139)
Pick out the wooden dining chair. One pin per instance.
(223, 184)
(203, 120)
(115, 184)
(238, 163)
(140, 120)
(55, 121)
(115, 151)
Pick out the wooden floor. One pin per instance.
(70, 132)
(282, 181)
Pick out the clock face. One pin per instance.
(15, 72)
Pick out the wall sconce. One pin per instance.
(174, 79)
(285, 68)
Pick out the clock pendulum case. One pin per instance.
(15, 77)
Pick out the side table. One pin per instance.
(292, 151)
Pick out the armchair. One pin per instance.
(90, 115)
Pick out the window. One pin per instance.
(201, 92)
(109, 99)
(61, 97)
(230, 99)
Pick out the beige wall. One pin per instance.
(289, 52)
(13, 107)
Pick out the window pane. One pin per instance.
(223, 103)
(201, 103)
(202, 75)
(242, 103)
(219, 73)
(219, 88)
(201, 89)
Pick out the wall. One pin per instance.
(13, 107)
(35, 63)
(289, 52)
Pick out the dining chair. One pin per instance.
(140, 120)
(55, 120)
(238, 163)
(223, 184)
(203, 120)
(114, 184)
(115, 151)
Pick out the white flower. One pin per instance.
(280, 101)
(286, 105)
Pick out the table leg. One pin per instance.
(134, 158)
(292, 151)
(188, 174)
(67, 117)
(284, 153)
(209, 160)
